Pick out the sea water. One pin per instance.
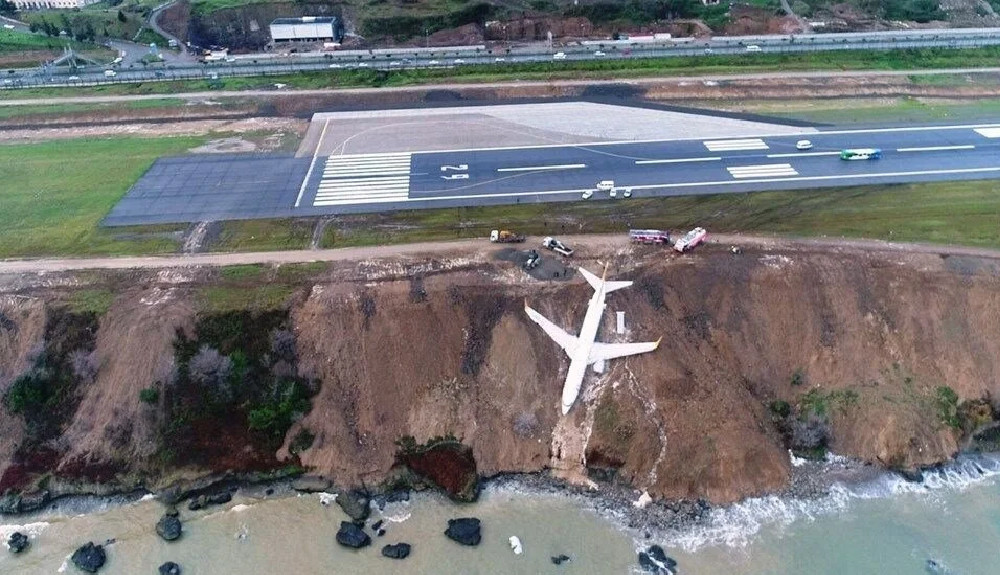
(947, 524)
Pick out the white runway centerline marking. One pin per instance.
(678, 160)
(762, 171)
(364, 178)
(735, 145)
(803, 154)
(935, 148)
(543, 168)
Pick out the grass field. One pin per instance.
(7, 112)
(21, 49)
(948, 213)
(55, 193)
(592, 69)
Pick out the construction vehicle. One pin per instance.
(533, 260)
(649, 236)
(556, 246)
(505, 237)
(691, 240)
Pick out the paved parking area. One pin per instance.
(212, 187)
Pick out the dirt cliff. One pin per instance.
(345, 361)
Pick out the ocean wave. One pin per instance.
(736, 525)
(32, 530)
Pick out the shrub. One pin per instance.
(809, 435)
(210, 369)
(780, 408)
(798, 378)
(303, 440)
(947, 406)
(149, 395)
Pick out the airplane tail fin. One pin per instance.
(596, 282)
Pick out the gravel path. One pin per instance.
(465, 247)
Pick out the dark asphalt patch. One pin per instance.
(212, 187)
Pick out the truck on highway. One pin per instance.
(691, 240)
(861, 154)
(505, 237)
(557, 246)
(649, 236)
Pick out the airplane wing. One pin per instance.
(606, 351)
(565, 340)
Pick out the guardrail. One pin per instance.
(457, 56)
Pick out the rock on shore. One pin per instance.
(18, 542)
(350, 535)
(397, 551)
(169, 528)
(170, 568)
(355, 504)
(89, 558)
(464, 530)
(654, 560)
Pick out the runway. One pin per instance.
(373, 182)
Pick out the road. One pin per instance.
(275, 93)
(462, 248)
(240, 187)
(264, 64)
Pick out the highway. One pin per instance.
(194, 188)
(396, 59)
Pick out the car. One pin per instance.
(498, 60)
(335, 66)
(363, 65)
(433, 63)
(708, 50)
(803, 145)
(627, 193)
(395, 63)
(73, 78)
(613, 193)
(606, 186)
(459, 61)
(599, 54)
(753, 48)
(588, 194)
(559, 56)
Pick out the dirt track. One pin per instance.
(824, 74)
(464, 247)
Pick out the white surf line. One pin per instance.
(542, 168)
(989, 128)
(678, 160)
(803, 154)
(312, 164)
(935, 148)
(698, 184)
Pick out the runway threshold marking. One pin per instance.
(543, 168)
(735, 145)
(762, 171)
(989, 131)
(679, 160)
(361, 178)
(935, 148)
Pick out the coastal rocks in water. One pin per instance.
(355, 505)
(311, 484)
(560, 559)
(18, 542)
(464, 530)
(89, 558)
(654, 560)
(377, 526)
(24, 503)
(203, 501)
(350, 535)
(912, 475)
(397, 551)
(170, 568)
(169, 528)
(197, 503)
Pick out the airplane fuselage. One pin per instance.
(581, 355)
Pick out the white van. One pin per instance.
(753, 48)
(110, 73)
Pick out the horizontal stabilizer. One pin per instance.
(596, 282)
(565, 340)
(605, 351)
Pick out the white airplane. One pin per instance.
(582, 349)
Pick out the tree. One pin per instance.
(121, 17)
(7, 8)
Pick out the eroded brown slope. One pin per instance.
(872, 336)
